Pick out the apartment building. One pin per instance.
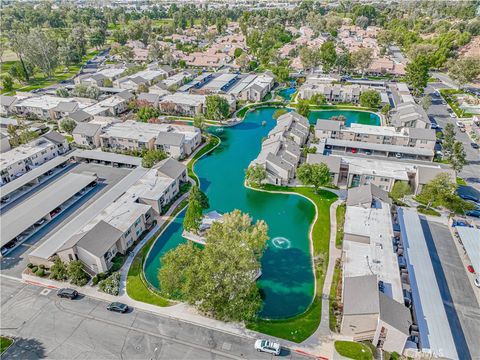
(281, 151)
(19, 160)
(409, 114)
(87, 135)
(372, 293)
(183, 104)
(111, 106)
(177, 140)
(50, 107)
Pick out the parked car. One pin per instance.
(474, 145)
(268, 346)
(40, 222)
(354, 151)
(452, 115)
(67, 293)
(5, 199)
(381, 286)
(118, 307)
(55, 211)
(477, 282)
(434, 125)
(398, 155)
(470, 269)
(473, 213)
(460, 124)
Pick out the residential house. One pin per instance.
(426, 174)
(87, 134)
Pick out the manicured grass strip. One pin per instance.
(5, 343)
(353, 350)
(333, 295)
(213, 141)
(452, 102)
(460, 181)
(300, 327)
(137, 286)
(341, 209)
(241, 113)
(423, 210)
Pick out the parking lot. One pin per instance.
(15, 261)
(460, 302)
(45, 326)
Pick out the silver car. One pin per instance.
(268, 346)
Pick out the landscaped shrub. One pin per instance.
(76, 274)
(117, 262)
(40, 272)
(110, 285)
(58, 271)
(95, 280)
(29, 265)
(34, 269)
(41, 266)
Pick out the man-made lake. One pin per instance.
(287, 281)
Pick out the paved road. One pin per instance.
(47, 327)
(439, 112)
(458, 297)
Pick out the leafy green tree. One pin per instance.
(370, 99)
(237, 52)
(178, 269)
(386, 109)
(426, 102)
(310, 57)
(458, 156)
(318, 99)
(448, 138)
(362, 59)
(303, 107)
(255, 174)
(278, 113)
(76, 274)
(21, 72)
(98, 37)
(62, 92)
(58, 271)
(217, 107)
(400, 189)
(417, 74)
(464, 70)
(198, 195)
(68, 125)
(328, 55)
(41, 51)
(317, 175)
(151, 157)
(228, 263)
(281, 73)
(147, 112)
(199, 122)
(344, 62)
(7, 83)
(193, 216)
(362, 21)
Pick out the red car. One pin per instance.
(354, 151)
(470, 269)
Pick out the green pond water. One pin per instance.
(287, 93)
(287, 281)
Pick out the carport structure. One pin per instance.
(23, 217)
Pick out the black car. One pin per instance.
(474, 145)
(117, 307)
(67, 293)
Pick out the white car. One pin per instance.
(460, 124)
(268, 347)
(477, 282)
(452, 115)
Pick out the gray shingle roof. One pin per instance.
(422, 134)
(100, 238)
(333, 162)
(66, 106)
(125, 95)
(171, 168)
(426, 174)
(86, 129)
(360, 295)
(7, 100)
(366, 194)
(169, 138)
(395, 314)
(331, 125)
(151, 98)
(80, 116)
(55, 137)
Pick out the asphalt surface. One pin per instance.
(15, 262)
(45, 326)
(459, 300)
(439, 112)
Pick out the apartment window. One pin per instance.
(369, 177)
(137, 222)
(138, 232)
(384, 179)
(127, 232)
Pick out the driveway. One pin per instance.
(45, 326)
(439, 112)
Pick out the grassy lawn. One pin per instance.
(448, 95)
(353, 350)
(460, 181)
(40, 80)
(341, 107)
(243, 111)
(212, 143)
(300, 327)
(137, 286)
(337, 276)
(423, 210)
(341, 209)
(5, 343)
